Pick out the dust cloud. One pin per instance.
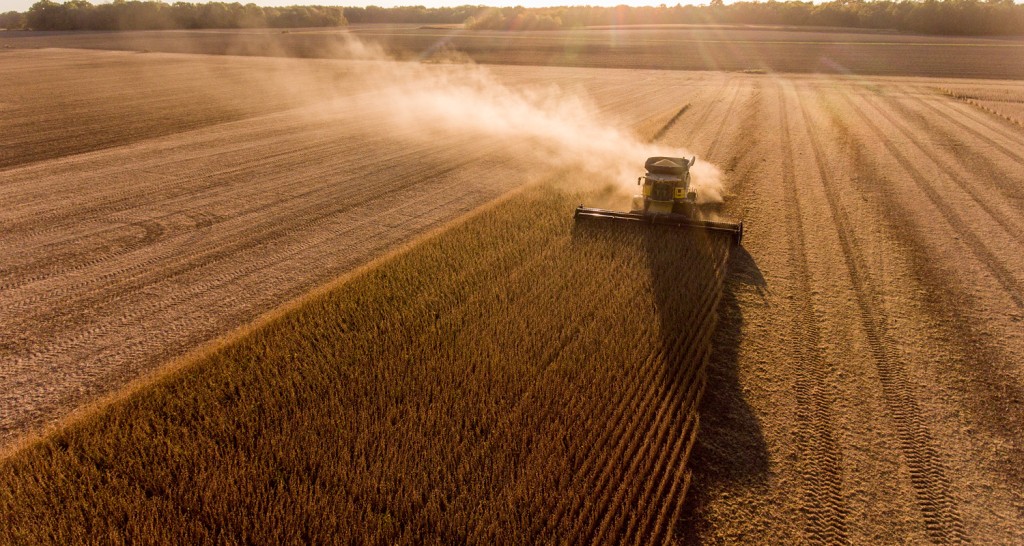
(544, 125)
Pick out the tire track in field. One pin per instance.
(259, 210)
(134, 314)
(1009, 225)
(934, 498)
(823, 502)
(256, 235)
(212, 148)
(156, 186)
(147, 346)
(335, 233)
(260, 235)
(1008, 183)
(956, 120)
(974, 243)
(990, 387)
(242, 192)
(730, 85)
(713, 146)
(748, 126)
(168, 189)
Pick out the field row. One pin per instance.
(119, 258)
(873, 327)
(540, 389)
(1004, 102)
(759, 49)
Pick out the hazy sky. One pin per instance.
(23, 5)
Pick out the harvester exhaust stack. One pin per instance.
(667, 200)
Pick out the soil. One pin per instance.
(754, 48)
(866, 381)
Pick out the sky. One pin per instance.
(23, 5)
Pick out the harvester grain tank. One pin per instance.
(667, 199)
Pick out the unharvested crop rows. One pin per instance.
(405, 403)
(1006, 103)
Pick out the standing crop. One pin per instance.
(515, 379)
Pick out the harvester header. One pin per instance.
(667, 199)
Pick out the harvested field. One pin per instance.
(878, 319)
(864, 381)
(761, 49)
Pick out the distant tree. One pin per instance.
(13, 20)
(47, 15)
(966, 17)
(151, 15)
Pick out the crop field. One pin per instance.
(400, 406)
(851, 373)
(759, 49)
(200, 204)
(1003, 102)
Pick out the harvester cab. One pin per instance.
(666, 187)
(667, 199)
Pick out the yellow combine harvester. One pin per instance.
(667, 200)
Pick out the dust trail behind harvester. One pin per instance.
(543, 125)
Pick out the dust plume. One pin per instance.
(544, 125)
(548, 124)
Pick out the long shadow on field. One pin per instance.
(694, 280)
(730, 449)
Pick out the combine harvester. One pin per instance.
(667, 200)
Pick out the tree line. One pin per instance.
(153, 15)
(958, 17)
(961, 17)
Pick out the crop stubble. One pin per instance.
(683, 48)
(884, 216)
(899, 208)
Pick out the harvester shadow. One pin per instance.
(730, 452)
(693, 275)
